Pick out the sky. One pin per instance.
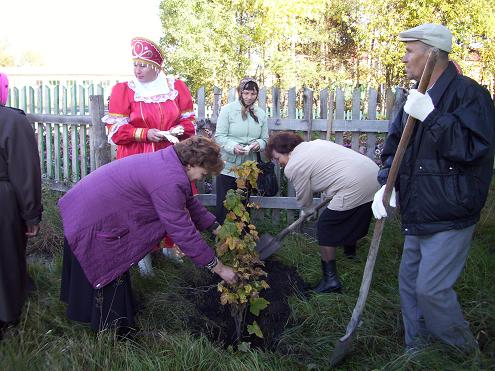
(86, 36)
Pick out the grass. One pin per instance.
(46, 340)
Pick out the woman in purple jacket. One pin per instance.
(114, 216)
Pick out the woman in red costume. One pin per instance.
(148, 113)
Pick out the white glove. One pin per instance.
(177, 131)
(166, 134)
(377, 206)
(418, 105)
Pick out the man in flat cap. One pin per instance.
(443, 183)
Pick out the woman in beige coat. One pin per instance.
(339, 173)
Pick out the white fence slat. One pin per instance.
(262, 99)
(201, 102)
(231, 95)
(56, 150)
(74, 145)
(83, 151)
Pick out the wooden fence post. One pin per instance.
(371, 137)
(331, 108)
(217, 96)
(339, 113)
(201, 102)
(356, 113)
(98, 138)
(389, 102)
(323, 108)
(291, 113)
(231, 95)
(262, 100)
(399, 99)
(275, 114)
(308, 111)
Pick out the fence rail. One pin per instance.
(72, 141)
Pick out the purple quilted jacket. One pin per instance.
(114, 216)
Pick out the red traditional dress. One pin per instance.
(135, 108)
(132, 112)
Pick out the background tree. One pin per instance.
(317, 42)
(6, 59)
(30, 58)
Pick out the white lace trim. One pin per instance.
(114, 119)
(186, 115)
(159, 90)
(116, 122)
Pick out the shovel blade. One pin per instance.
(267, 245)
(343, 347)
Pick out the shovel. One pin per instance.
(268, 244)
(344, 345)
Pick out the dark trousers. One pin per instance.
(224, 183)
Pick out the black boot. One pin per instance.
(350, 252)
(330, 281)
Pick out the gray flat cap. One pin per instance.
(435, 35)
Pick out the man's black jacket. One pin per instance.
(446, 171)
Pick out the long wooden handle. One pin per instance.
(392, 176)
(409, 128)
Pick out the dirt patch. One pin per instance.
(217, 324)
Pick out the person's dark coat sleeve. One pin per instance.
(464, 135)
(24, 167)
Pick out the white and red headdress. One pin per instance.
(146, 51)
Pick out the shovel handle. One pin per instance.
(301, 219)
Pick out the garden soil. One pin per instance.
(217, 324)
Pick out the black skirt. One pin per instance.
(339, 228)
(112, 306)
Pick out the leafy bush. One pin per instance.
(236, 246)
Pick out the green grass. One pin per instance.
(46, 340)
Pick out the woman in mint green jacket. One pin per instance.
(241, 131)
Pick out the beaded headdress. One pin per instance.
(146, 51)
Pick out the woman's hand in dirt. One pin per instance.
(224, 271)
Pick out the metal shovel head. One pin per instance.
(267, 245)
(343, 347)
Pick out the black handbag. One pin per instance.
(267, 180)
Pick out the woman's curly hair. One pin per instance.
(200, 151)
